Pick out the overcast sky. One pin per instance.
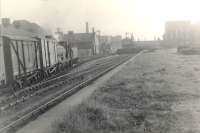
(145, 18)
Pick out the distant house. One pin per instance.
(85, 44)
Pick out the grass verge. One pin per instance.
(136, 100)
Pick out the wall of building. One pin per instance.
(181, 33)
(96, 44)
(196, 34)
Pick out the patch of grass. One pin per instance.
(116, 108)
(85, 118)
(125, 104)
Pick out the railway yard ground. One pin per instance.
(28, 103)
(158, 92)
(154, 92)
(44, 122)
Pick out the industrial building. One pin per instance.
(181, 33)
(83, 44)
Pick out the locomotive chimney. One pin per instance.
(87, 27)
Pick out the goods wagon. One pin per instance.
(21, 57)
(28, 60)
(49, 51)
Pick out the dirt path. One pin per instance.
(43, 123)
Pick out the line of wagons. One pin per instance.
(28, 60)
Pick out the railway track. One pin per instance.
(25, 95)
(39, 88)
(70, 84)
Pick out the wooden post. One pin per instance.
(41, 54)
(8, 60)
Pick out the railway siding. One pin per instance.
(61, 96)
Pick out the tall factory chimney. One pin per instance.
(93, 30)
(87, 27)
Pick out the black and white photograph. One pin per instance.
(99, 66)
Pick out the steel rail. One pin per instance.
(45, 82)
(30, 94)
(53, 81)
